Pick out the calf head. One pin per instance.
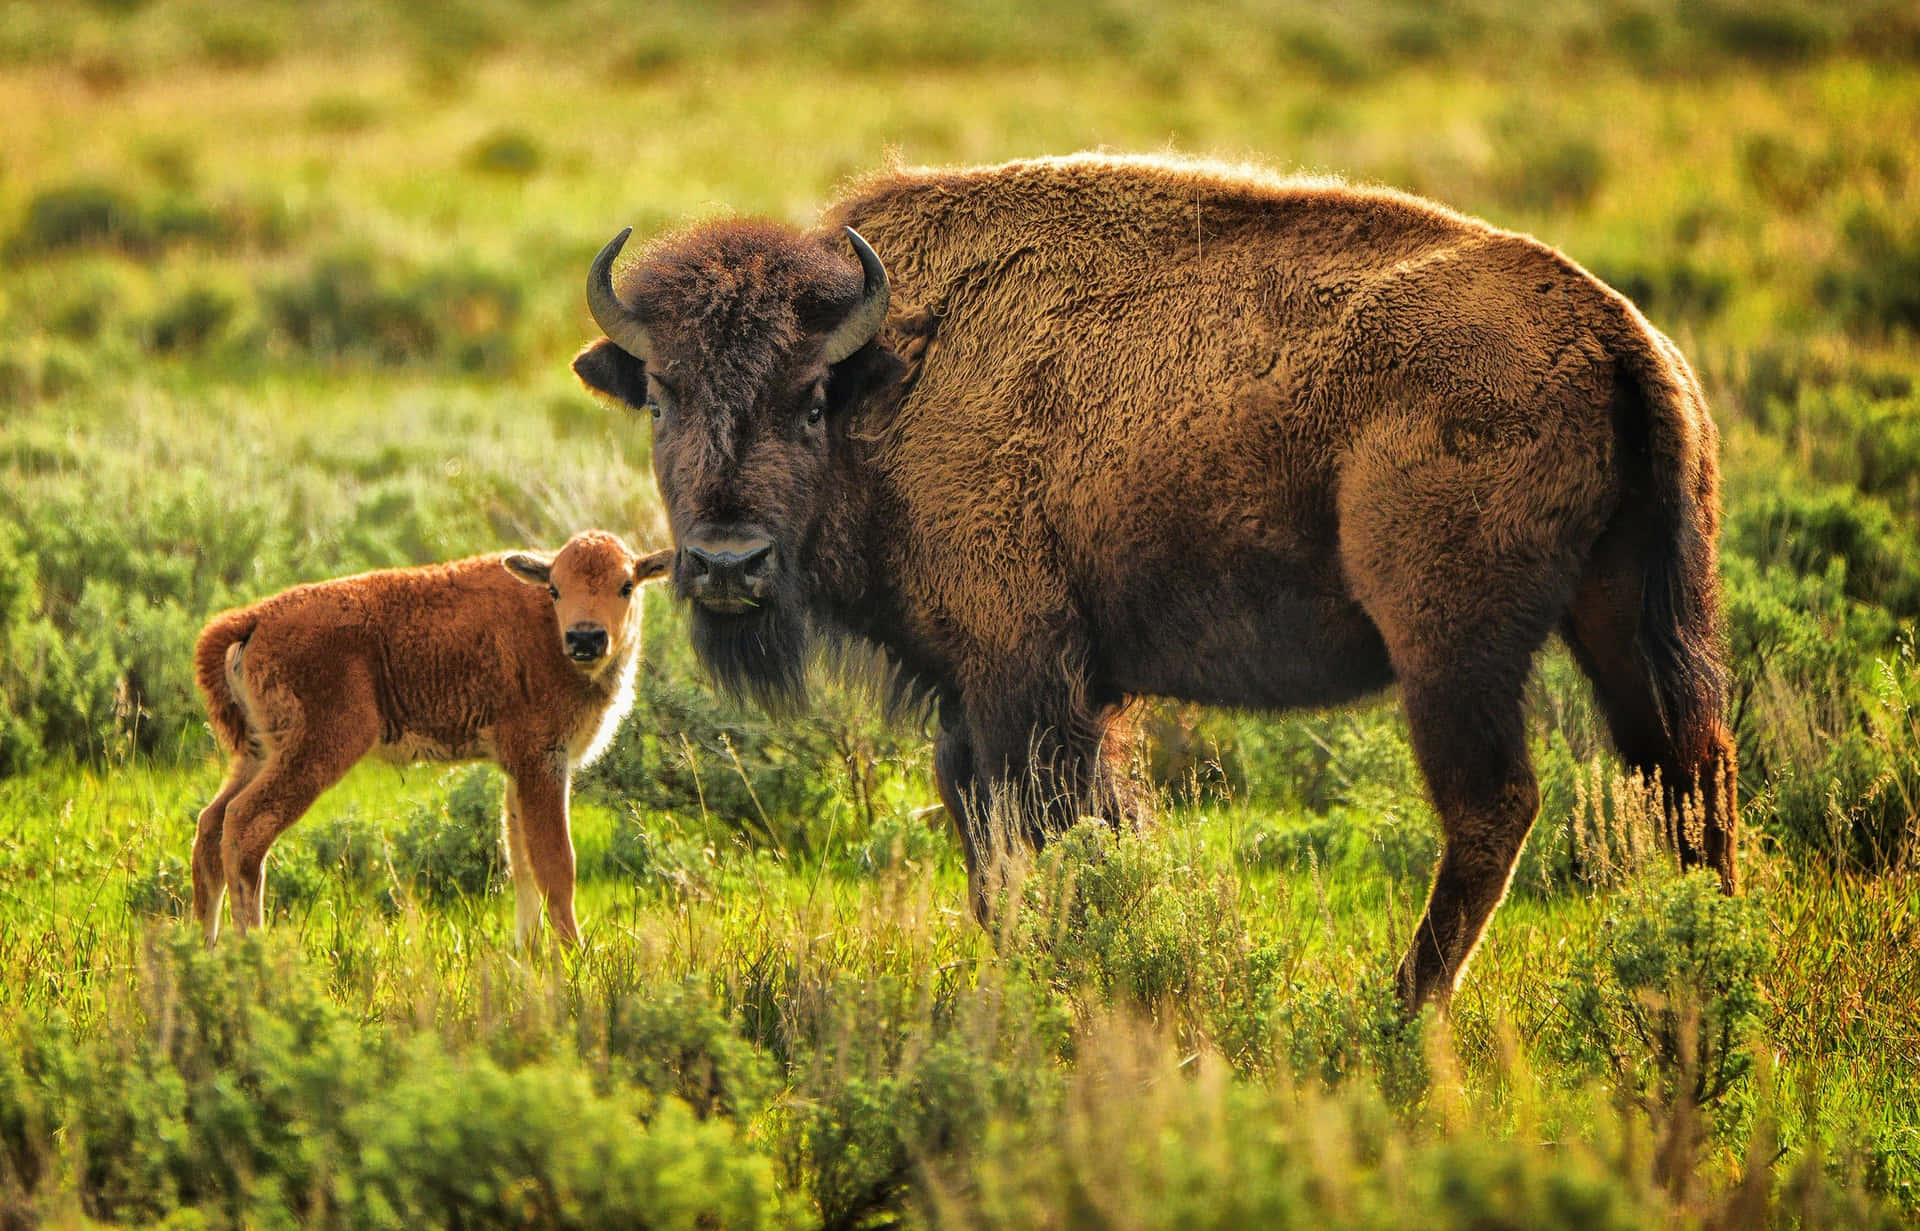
(592, 579)
(751, 345)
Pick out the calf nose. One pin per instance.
(730, 563)
(586, 644)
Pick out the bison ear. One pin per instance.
(863, 377)
(611, 372)
(653, 565)
(534, 570)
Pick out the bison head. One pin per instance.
(750, 344)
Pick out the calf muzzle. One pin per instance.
(586, 643)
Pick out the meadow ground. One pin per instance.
(289, 290)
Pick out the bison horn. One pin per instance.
(860, 327)
(616, 319)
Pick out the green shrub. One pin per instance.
(896, 1099)
(1359, 1033)
(507, 152)
(1558, 174)
(450, 848)
(1822, 700)
(240, 40)
(1878, 559)
(675, 1041)
(191, 322)
(1679, 285)
(1875, 280)
(350, 305)
(1664, 997)
(80, 215)
(460, 1142)
(165, 888)
(1121, 919)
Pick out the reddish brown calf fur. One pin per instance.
(521, 659)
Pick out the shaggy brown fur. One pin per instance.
(1152, 427)
(525, 660)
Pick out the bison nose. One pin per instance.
(584, 645)
(729, 567)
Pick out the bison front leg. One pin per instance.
(1041, 758)
(965, 797)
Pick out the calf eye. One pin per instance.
(626, 591)
(555, 591)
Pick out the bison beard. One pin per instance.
(759, 655)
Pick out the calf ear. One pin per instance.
(534, 570)
(653, 565)
(611, 372)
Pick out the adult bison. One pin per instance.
(1102, 428)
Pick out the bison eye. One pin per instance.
(814, 412)
(555, 591)
(626, 591)
(654, 407)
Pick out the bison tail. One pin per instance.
(214, 663)
(1680, 623)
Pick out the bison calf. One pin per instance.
(521, 659)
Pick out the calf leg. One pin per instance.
(294, 775)
(526, 892)
(209, 875)
(541, 789)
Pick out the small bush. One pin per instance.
(191, 322)
(1875, 281)
(676, 1042)
(82, 215)
(1679, 286)
(1359, 1033)
(1664, 997)
(1561, 174)
(653, 849)
(348, 305)
(460, 1142)
(451, 848)
(165, 889)
(1877, 558)
(239, 40)
(509, 152)
(1120, 919)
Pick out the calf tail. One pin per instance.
(215, 660)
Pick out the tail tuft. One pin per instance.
(212, 656)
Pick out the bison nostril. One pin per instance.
(758, 562)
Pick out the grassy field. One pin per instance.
(289, 290)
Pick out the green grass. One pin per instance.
(290, 292)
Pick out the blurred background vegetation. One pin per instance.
(288, 290)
